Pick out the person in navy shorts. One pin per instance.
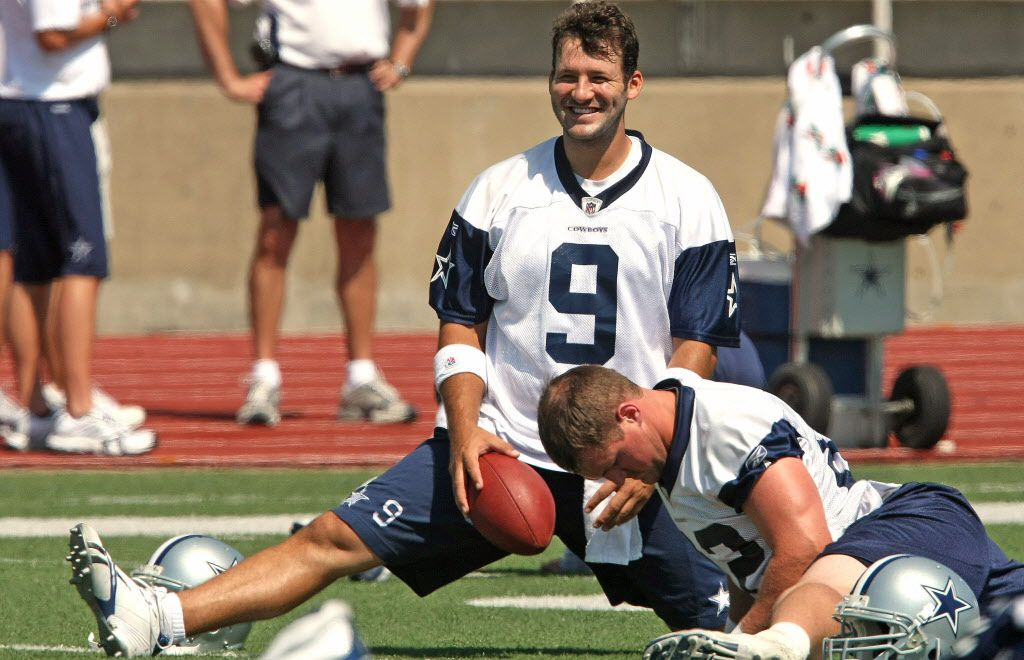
(56, 67)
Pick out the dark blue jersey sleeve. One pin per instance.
(704, 301)
(457, 289)
(783, 441)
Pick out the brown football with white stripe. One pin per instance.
(515, 509)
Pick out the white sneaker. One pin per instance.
(261, 404)
(126, 610)
(28, 432)
(13, 423)
(128, 415)
(95, 433)
(700, 644)
(376, 401)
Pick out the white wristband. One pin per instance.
(457, 359)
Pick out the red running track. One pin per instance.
(192, 384)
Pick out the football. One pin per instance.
(514, 510)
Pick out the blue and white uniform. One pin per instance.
(561, 287)
(47, 156)
(563, 276)
(727, 436)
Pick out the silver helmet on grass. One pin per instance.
(187, 561)
(904, 607)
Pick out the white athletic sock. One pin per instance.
(172, 621)
(792, 636)
(267, 371)
(360, 372)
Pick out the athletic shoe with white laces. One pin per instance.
(261, 405)
(128, 415)
(28, 432)
(13, 423)
(700, 644)
(376, 401)
(95, 433)
(126, 610)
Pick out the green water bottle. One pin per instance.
(892, 135)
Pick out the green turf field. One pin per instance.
(42, 616)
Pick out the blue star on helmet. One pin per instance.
(217, 569)
(947, 604)
(444, 267)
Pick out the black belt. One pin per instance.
(337, 71)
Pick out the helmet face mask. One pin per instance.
(187, 561)
(903, 607)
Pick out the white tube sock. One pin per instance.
(792, 636)
(267, 371)
(172, 621)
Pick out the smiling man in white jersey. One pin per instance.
(590, 247)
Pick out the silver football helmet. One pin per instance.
(187, 561)
(903, 607)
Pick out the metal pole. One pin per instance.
(881, 14)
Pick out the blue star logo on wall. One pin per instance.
(948, 605)
(871, 275)
(444, 267)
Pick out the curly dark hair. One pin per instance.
(603, 31)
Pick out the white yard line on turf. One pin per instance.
(14, 527)
(596, 602)
(153, 525)
(47, 649)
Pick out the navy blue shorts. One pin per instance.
(408, 518)
(6, 210)
(317, 127)
(49, 165)
(937, 522)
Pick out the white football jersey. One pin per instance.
(563, 278)
(726, 437)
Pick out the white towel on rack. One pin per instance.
(812, 160)
(619, 545)
(776, 200)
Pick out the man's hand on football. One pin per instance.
(624, 506)
(465, 461)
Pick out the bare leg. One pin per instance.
(356, 282)
(810, 602)
(76, 329)
(6, 281)
(52, 360)
(23, 336)
(275, 580)
(274, 241)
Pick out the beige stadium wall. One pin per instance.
(184, 211)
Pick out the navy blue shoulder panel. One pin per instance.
(704, 301)
(681, 435)
(781, 442)
(457, 291)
